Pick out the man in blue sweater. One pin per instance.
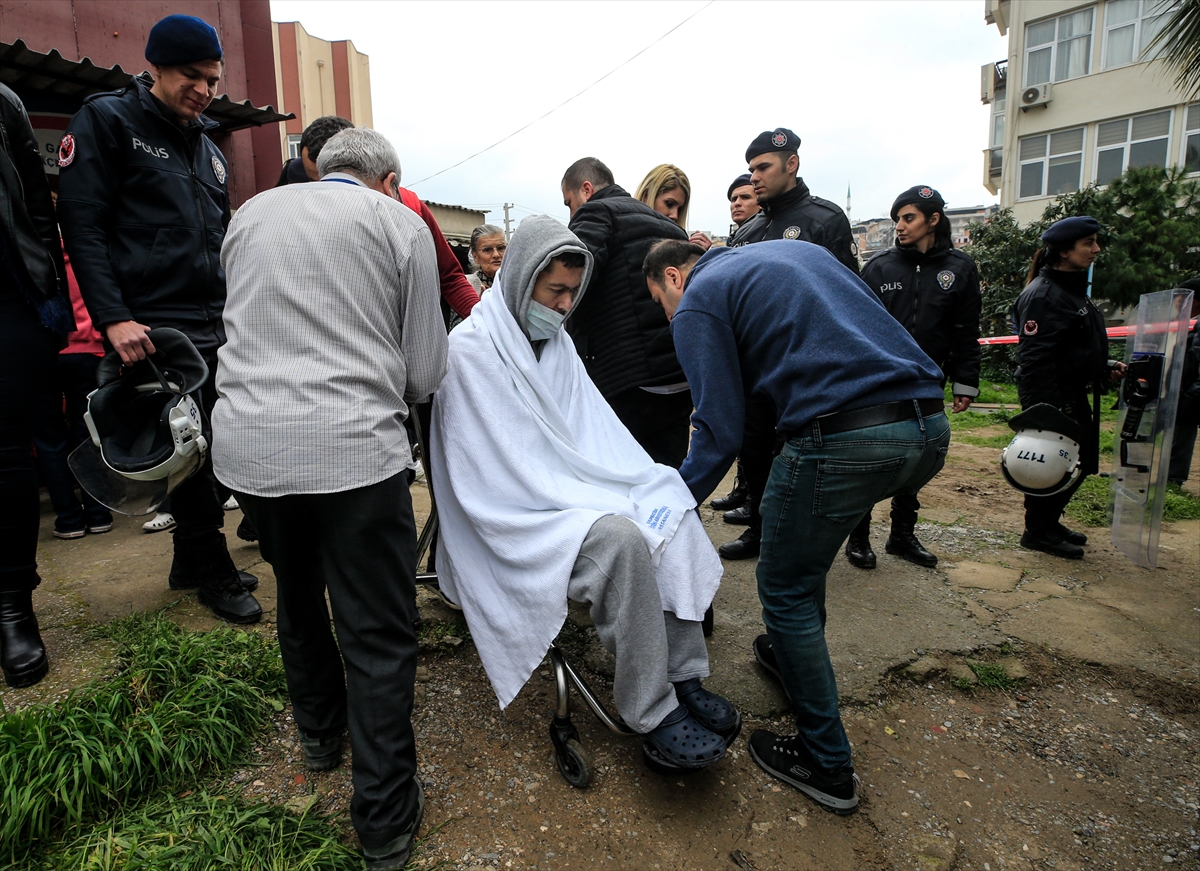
(861, 407)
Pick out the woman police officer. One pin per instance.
(1063, 351)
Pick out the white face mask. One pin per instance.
(542, 322)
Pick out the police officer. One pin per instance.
(143, 207)
(933, 290)
(1063, 352)
(789, 211)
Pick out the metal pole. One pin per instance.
(507, 222)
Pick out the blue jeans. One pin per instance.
(820, 487)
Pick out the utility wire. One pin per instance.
(568, 100)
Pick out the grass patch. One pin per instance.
(202, 831)
(1180, 505)
(965, 421)
(433, 631)
(990, 675)
(181, 704)
(987, 441)
(1090, 504)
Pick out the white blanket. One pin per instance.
(526, 456)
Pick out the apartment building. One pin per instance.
(1079, 99)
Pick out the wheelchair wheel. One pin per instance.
(575, 764)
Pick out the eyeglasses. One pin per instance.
(493, 249)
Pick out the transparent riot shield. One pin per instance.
(1150, 395)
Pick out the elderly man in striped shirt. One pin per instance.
(334, 333)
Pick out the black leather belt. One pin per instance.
(875, 415)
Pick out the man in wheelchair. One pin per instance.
(544, 496)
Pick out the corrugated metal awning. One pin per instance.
(51, 75)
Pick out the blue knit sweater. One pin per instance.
(784, 319)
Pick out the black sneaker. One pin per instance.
(765, 654)
(393, 856)
(1051, 544)
(322, 754)
(745, 546)
(785, 758)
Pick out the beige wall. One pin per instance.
(456, 222)
(1078, 102)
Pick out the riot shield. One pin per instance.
(1150, 396)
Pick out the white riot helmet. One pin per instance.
(1043, 457)
(146, 428)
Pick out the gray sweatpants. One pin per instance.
(614, 577)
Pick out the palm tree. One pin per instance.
(1178, 44)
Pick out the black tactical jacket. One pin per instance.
(619, 330)
(935, 296)
(797, 214)
(143, 207)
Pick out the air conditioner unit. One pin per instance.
(1035, 95)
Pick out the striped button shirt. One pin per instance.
(334, 327)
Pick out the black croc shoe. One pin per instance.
(785, 758)
(681, 744)
(709, 710)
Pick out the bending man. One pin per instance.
(544, 495)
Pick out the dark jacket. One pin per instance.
(797, 214)
(143, 207)
(935, 296)
(30, 247)
(621, 333)
(1063, 347)
(292, 172)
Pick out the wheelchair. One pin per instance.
(574, 761)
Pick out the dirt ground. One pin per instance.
(1085, 758)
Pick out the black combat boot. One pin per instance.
(737, 496)
(903, 543)
(218, 583)
(858, 545)
(22, 653)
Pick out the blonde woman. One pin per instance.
(666, 189)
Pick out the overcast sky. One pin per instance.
(884, 95)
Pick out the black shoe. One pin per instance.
(858, 550)
(1069, 535)
(738, 516)
(229, 600)
(22, 653)
(787, 759)
(189, 580)
(709, 710)
(745, 546)
(322, 754)
(246, 530)
(906, 546)
(393, 856)
(736, 499)
(765, 654)
(1050, 544)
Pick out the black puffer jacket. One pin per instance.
(26, 210)
(143, 207)
(799, 215)
(935, 296)
(621, 333)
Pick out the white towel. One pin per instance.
(527, 455)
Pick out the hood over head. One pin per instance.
(536, 242)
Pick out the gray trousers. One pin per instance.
(614, 577)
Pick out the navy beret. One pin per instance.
(740, 182)
(779, 139)
(922, 193)
(182, 39)
(1068, 231)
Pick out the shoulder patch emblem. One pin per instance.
(946, 279)
(218, 170)
(925, 193)
(1030, 328)
(66, 150)
(779, 140)
(791, 233)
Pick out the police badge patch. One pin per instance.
(66, 150)
(791, 233)
(779, 140)
(1030, 328)
(945, 278)
(218, 170)
(925, 193)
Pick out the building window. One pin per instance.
(293, 145)
(1051, 163)
(1059, 48)
(995, 166)
(1129, 28)
(1191, 139)
(1129, 143)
